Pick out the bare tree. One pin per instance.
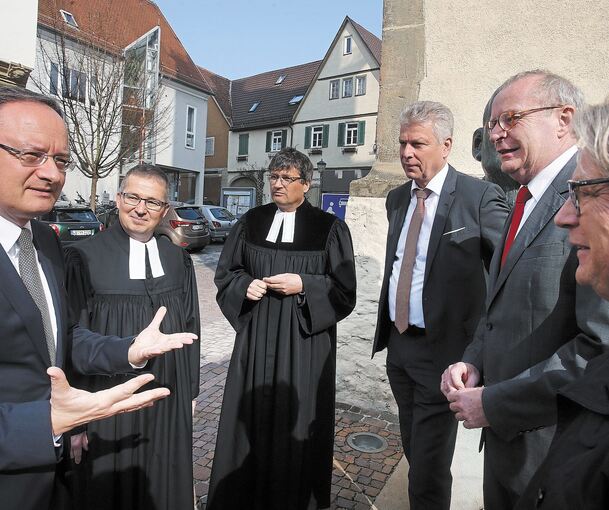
(257, 176)
(110, 95)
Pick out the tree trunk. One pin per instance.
(92, 200)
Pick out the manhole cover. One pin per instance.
(367, 442)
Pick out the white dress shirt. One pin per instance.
(9, 234)
(415, 307)
(541, 182)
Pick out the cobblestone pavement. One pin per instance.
(357, 477)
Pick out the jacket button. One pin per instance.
(540, 495)
(489, 326)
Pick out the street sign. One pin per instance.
(335, 203)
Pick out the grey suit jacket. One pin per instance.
(466, 229)
(539, 331)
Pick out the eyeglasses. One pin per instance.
(507, 120)
(152, 204)
(575, 185)
(32, 158)
(284, 180)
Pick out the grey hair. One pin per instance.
(291, 158)
(149, 172)
(591, 125)
(19, 95)
(439, 115)
(551, 87)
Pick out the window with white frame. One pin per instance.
(334, 89)
(276, 140)
(210, 143)
(360, 85)
(69, 18)
(69, 82)
(351, 133)
(347, 87)
(347, 45)
(317, 137)
(191, 121)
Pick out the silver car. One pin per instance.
(220, 220)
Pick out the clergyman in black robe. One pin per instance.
(141, 460)
(286, 276)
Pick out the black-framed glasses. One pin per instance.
(284, 180)
(152, 204)
(575, 185)
(507, 120)
(31, 158)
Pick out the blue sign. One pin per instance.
(335, 203)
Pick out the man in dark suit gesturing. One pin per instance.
(540, 327)
(443, 229)
(37, 405)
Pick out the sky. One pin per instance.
(239, 38)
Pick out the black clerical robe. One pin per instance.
(276, 431)
(140, 460)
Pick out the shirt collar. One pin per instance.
(9, 233)
(539, 184)
(435, 184)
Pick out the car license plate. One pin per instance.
(197, 227)
(87, 232)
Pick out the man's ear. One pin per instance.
(565, 120)
(446, 147)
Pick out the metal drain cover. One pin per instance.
(367, 442)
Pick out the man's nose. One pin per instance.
(49, 171)
(566, 217)
(497, 133)
(141, 208)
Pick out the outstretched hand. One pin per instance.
(151, 342)
(71, 407)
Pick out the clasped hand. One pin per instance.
(284, 283)
(459, 386)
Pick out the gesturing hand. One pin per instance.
(151, 342)
(71, 407)
(284, 283)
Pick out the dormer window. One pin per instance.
(68, 17)
(253, 107)
(279, 80)
(296, 100)
(347, 45)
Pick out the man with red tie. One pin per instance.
(443, 229)
(540, 327)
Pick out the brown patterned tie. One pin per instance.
(402, 297)
(28, 270)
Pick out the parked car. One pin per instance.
(72, 223)
(185, 226)
(220, 220)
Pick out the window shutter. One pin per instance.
(307, 138)
(243, 144)
(325, 136)
(284, 138)
(361, 132)
(341, 134)
(269, 134)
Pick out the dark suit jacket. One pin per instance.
(454, 288)
(539, 331)
(27, 456)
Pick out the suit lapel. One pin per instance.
(23, 305)
(445, 202)
(396, 223)
(543, 213)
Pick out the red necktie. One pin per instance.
(523, 195)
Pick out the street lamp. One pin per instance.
(321, 165)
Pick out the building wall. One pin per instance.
(218, 127)
(18, 34)
(472, 46)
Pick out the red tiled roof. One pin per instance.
(221, 87)
(372, 41)
(274, 108)
(118, 23)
